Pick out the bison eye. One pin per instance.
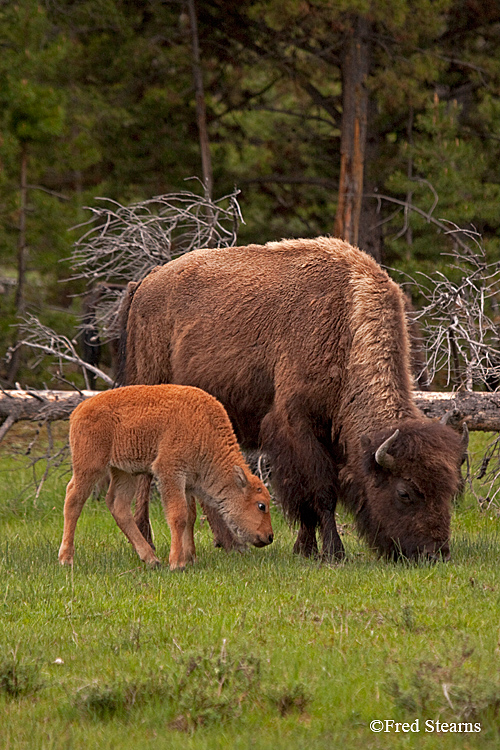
(262, 507)
(404, 495)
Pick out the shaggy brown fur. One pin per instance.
(306, 345)
(183, 437)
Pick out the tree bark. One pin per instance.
(370, 237)
(481, 411)
(21, 259)
(355, 69)
(201, 114)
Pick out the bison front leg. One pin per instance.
(332, 548)
(223, 536)
(304, 478)
(306, 543)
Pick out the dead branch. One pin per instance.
(459, 317)
(40, 406)
(43, 339)
(427, 215)
(481, 411)
(124, 243)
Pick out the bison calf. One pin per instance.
(183, 437)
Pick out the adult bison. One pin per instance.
(305, 343)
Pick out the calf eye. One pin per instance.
(262, 507)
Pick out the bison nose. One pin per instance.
(440, 556)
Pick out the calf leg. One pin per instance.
(141, 515)
(188, 548)
(79, 488)
(180, 517)
(119, 500)
(223, 536)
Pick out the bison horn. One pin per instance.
(382, 456)
(453, 416)
(450, 418)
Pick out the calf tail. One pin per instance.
(121, 374)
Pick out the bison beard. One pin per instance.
(305, 343)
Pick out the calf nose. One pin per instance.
(270, 538)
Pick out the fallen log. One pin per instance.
(39, 406)
(481, 411)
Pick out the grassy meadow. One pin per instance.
(255, 650)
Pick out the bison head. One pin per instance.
(410, 474)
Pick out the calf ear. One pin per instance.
(240, 477)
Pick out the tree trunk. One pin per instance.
(370, 237)
(355, 68)
(201, 115)
(21, 260)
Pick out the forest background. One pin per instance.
(374, 120)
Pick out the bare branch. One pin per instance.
(427, 215)
(459, 316)
(41, 338)
(124, 243)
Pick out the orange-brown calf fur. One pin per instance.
(183, 437)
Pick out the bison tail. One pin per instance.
(121, 374)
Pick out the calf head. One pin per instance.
(246, 508)
(410, 475)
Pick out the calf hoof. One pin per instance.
(177, 568)
(154, 564)
(65, 556)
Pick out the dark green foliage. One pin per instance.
(100, 94)
(293, 699)
(101, 702)
(19, 678)
(204, 689)
(451, 690)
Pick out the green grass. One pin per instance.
(254, 650)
